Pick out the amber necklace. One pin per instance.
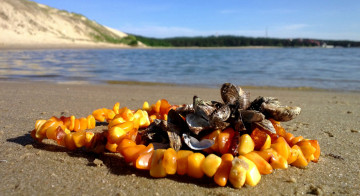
(238, 157)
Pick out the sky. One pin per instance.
(318, 19)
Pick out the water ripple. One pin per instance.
(337, 68)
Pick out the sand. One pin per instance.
(30, 168)
(27, 24)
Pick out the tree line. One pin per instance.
(239, 41)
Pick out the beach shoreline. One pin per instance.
(89, 45)
(103, 45)
(30, 168)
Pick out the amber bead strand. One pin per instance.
(259, 153)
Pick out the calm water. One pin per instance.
(337, 68)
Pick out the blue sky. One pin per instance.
(320, 19)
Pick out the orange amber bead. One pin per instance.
(72, 123)
(111, 147)
(33, 135)
(52, 130)
(91, 122)
(278, 162)
(267, 143)
(60, 135)
(39, 123)
(109, 114)
(259, 137)
(210, 165)
(132, 134)
(116, 108)
(77, 125)
(307, 149)
(271, 156)
(89, 138)
(208, 150)
(246, 144)
(125, 143)
(116, 121)
(169, 161)
(48, 125)
(115, 135)
(164, 106)
(282, 147)
(83, 124)
(157, 169)
(224, 140)
(182, 161)
(99, 114)
(295, 140)
(41, 132)
(146, 106)
(252, 174)
(300, 161)
(263, 166)
(79, 138)
(152, 117)
(222, 174)
(278, 128)
(294, 153)
(67, 122)
(156, 107)
(69, 142)
(288, 137)
(265, 154)
(194, 165)
(213, 137)
(281, 132)
(316, 145)
(144, 159)
(126, 114)
(142, 117)
(131, 153)
(237, 174)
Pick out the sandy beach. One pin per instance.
(84, 45)
(30, 168)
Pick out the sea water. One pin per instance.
(334, 69)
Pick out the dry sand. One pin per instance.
(30, 168)
(27, 24)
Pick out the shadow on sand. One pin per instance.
(113, 161)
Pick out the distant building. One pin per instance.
(324, 45)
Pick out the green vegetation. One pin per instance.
(101, 34)
(77, 15)
(239, 41)
(130, 40)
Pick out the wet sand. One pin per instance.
(30, 168)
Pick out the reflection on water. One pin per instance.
(287, 67)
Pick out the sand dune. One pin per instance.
(24, 22)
